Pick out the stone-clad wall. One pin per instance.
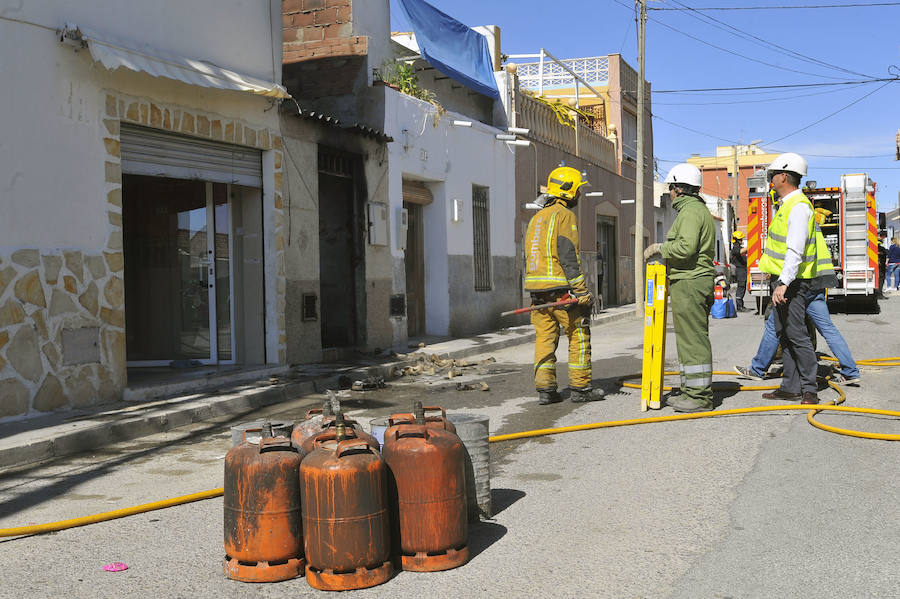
(62, 310)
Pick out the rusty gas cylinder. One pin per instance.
(345, 514)
(353, 429)
(427, 485)
(419, 412)
(263, 523)
(317, 420)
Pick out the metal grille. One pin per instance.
(482, 234)
(594, 70)
(332, 163)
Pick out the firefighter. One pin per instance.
(791, 255)
(738, 259)
(552, 273)
(688, 251)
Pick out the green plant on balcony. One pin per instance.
(402, 77)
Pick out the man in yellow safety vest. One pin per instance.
(790, 255)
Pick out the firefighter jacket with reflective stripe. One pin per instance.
(551, 255)
(772, 260)
(691, 243)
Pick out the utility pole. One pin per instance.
(734, 187)
(639, 192)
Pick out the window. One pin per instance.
(481, 233)
(629, 135)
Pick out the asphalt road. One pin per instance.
(739, 506)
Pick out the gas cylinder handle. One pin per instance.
(312, 412)
(276, 444)
(250, 430)
(434, 409)
(399, 417)
(410, 430)
(348, 444)
(331, 435)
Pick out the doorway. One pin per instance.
(192, 295)
(415, 271)
(607, 258)
(341, 251)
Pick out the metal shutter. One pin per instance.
(416, 192)
(160, 154)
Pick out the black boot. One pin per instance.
(548, 396)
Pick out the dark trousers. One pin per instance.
(740, 289)
(798, 355)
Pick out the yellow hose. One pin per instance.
(811, 410)
(129, 511)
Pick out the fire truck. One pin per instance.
(848, 220)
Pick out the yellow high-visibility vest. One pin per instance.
(772, 260)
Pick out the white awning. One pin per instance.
(113, 53)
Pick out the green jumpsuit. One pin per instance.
(689, 251)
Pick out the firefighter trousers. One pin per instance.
(691, 300)
(576, 324)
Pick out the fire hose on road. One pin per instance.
(810, 417)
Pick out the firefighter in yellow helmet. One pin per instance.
(738, 260)
(552, 272)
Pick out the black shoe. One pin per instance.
(585, 395)
(809, 398)
(779, 394)
(743, 309)
(548, 397)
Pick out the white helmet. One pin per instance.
(789, 161)
(685, 173)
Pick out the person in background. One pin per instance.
(738, 259)
(882, 263)
(893, 265)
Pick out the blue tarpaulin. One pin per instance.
(451, 47)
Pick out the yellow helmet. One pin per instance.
(564, 182)
(737, 235)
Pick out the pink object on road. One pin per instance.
(115, 567)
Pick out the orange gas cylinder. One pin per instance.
(437, 422)
(315, 422)
(328, 428)
(345, 514)
(427, 483)
(263, 523)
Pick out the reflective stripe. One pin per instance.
(546, 366)
(551, 279)
(576, 280)
(777, 237)
(579, 366)
(549, 254)
(699, 383)
(695, 368)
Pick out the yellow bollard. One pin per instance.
(656, 300)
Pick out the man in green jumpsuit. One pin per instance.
(688, 252)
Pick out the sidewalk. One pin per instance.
(59, 434)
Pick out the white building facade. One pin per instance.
(141, 198)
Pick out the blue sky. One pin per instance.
(862, 40)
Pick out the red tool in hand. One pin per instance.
(567, 300)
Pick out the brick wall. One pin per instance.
(319, 29)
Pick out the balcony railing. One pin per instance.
(547, 129)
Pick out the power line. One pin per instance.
(730, 141)
(793, 7)
(745, 101)
(828, 116)
(745, 35)
(794, 85)
(753, 60)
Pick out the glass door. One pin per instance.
(178, 272)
